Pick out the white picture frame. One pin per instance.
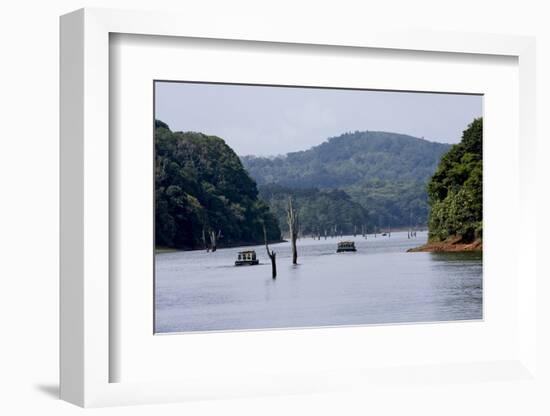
(86, 263)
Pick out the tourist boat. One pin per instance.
(344, 246)
(246, 258)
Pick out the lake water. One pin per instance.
(380, 283)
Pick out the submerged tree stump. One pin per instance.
(293, 227)
(272, 256)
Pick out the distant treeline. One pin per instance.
(203, 193)
(320, 212)
(456, 189)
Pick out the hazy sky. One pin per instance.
(276, 120)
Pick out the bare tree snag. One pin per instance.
(293, 226)
(213, 241)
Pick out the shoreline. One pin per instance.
(163, 249)
(333, 239)
(447, 246)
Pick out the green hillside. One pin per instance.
(201, 187)
(456, 189)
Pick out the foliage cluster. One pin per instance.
(456, 189)
(202, 187)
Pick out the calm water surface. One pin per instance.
(380, 283)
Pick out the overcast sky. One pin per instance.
(276, 120)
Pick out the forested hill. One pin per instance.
(350, 159)
(456, 190)
(385, 172)
(202, 189)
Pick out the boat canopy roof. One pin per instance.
(346, 243)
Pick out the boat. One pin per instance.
(344, 246)
(246, 258)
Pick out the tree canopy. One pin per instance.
(202, 187)
(456, 189)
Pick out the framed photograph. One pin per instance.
(271, 212)
(291, 180)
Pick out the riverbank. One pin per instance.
(162, 249)
(449, 245)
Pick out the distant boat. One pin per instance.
(384, 234)
(246, 258)
(344, 246)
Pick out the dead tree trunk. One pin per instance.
(213, 241)
(293, 226)
(272, 256)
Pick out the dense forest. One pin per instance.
(322, 213)
(385, 173)
(363, 181)
(456, 190)
(203, 195)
